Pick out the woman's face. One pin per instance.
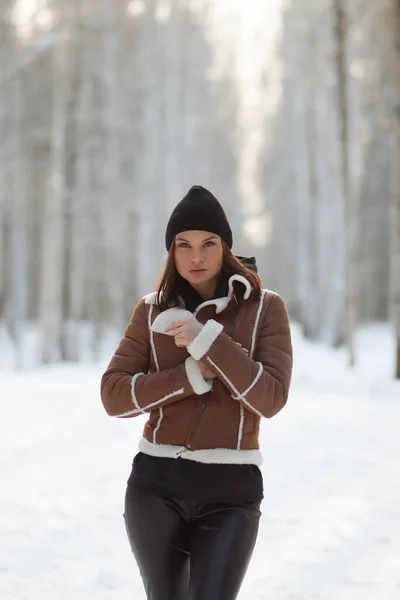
(198, 259)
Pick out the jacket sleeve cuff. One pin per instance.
(195, 377)
(205, 339)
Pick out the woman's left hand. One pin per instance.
(185, 331)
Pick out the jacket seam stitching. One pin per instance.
(241, 425)
(160, 418)
(239, 395)
(166, 397)
(152, 343)
(133, 395)
(153, 349)
(257, 322)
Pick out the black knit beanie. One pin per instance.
(198, 210)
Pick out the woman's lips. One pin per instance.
(197, 271)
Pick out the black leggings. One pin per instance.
(190, 551)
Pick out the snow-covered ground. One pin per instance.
(331, 516)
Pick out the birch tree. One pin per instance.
(112, 200)
(395, 207)
(78, 191)
(149, 189)
(341, 26)
(14, 205)
(53, 235)
(4, 58)
(19, 263)
(395, 259)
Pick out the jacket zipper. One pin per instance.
(196, 425)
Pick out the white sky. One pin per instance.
(28, 12)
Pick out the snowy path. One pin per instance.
(331, 516)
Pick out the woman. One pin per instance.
(205, 356)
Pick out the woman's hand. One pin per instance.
(244, 349)
(205, 371)
(185, 331)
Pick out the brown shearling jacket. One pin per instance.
(214, 421)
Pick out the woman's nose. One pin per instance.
(197, 258)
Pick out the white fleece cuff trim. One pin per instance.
(195, 377)
(205, 339)
(133, 395)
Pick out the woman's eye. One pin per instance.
(185, 245)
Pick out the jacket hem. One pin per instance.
(230, 456)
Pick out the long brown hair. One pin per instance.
(171, 285)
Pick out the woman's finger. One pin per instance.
(175, 325)
(245, 349)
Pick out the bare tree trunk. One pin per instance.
(311, 318)
(349, 224)
(112, 208)
(2, 247)
(395, 212)
(395, 251)
(3, 194)
(53, 250)
(396, 279)
(150, 190)
(18, 214)
(78, 198)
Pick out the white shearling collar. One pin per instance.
(220, 303)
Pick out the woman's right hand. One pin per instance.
(206, 372)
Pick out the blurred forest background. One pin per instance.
(111, 109)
